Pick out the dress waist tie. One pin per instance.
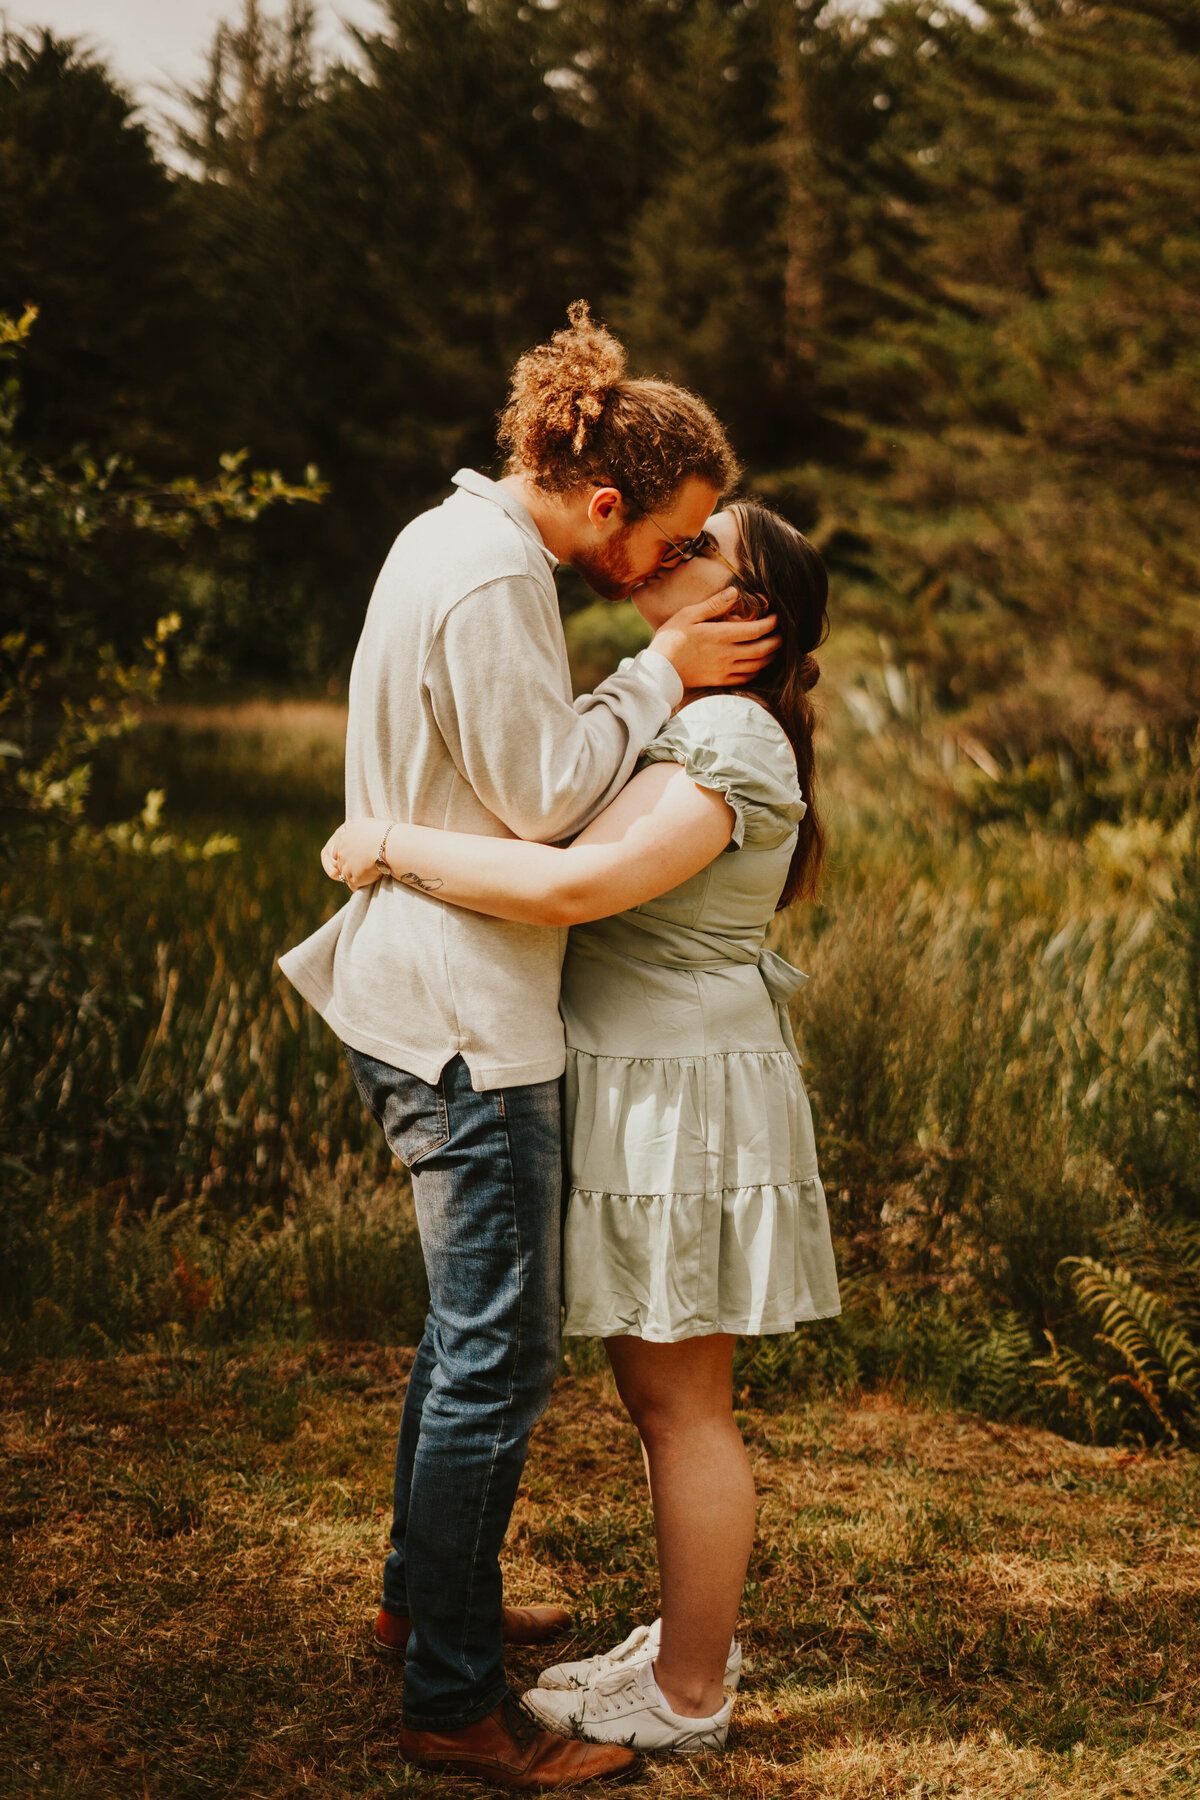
(639, 939)
(781, 981)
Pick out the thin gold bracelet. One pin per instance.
(381, 861)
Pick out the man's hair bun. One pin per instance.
(560, 389)
(574, 415)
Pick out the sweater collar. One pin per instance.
(472, 482)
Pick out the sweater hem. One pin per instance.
(663, 674)
(485, 1076)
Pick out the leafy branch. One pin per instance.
(48, 519)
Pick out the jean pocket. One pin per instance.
(413, 1115)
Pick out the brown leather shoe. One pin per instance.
(534, 1624)
(510, 1750)
(521, 1625)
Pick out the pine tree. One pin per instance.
(261, 78)
(406, 230)
(90, 234)
(806, 212)
(704, 294)
(1027, 400)
(769, 238)
(614, 66)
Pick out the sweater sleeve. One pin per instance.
(495, 674)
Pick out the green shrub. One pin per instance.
(1000, 1034)
(598, 636)
(995, 1377)
(884, 1338)
(361, 1263)
(92, 1274)
(1131, 1366)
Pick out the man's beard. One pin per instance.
(607, 570)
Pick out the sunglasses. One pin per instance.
(703, 544)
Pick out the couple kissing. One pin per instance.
(552, 986)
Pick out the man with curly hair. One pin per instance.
(461, 716)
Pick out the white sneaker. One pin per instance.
(624, 1706)
(640, 1646)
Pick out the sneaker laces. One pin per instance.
(635, 1649)
(612, 1688)
(603, 1703)
(631, 1650)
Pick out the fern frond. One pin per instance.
(995, 1372)
(1160, 1360)
(1164, 1256)
(1148, 1397)
(1137, 1326)
(772, 1362)
(1068, 1371)
(1075, 1391)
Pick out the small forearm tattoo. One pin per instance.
(412, 879)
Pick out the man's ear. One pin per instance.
(603, 505)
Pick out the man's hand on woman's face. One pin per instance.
(350, 854)
(708, 651)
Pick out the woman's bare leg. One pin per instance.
(680, 1397)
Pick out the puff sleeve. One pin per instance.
(732, 744)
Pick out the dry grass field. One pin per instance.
(940, 1603)
(937, 1606)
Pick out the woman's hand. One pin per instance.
(350, 854)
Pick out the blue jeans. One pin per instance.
(487, 1185)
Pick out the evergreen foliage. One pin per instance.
(938, 271)
(91, 235)
(1035, 393)
(703, 303)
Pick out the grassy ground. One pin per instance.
(936, 1606)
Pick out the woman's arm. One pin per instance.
(660, 829)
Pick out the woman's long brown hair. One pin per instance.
(783, 573)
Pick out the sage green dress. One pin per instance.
(695, 1204)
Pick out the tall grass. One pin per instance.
(1003, 1036)
(1001, 1040)
(343, 1261)
(184, 1145)
(151, 1046)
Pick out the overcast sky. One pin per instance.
(151, 43)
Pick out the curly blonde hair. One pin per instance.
(575, 416)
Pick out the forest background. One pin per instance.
(939, 271)
(940, 274)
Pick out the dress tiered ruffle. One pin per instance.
(695, 1203)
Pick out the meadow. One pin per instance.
(936, 1606)
(976, 1567)
(936, 269)
(1001, 1032)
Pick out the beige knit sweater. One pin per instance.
(461, 717)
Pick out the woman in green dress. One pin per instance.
(695, 1211)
